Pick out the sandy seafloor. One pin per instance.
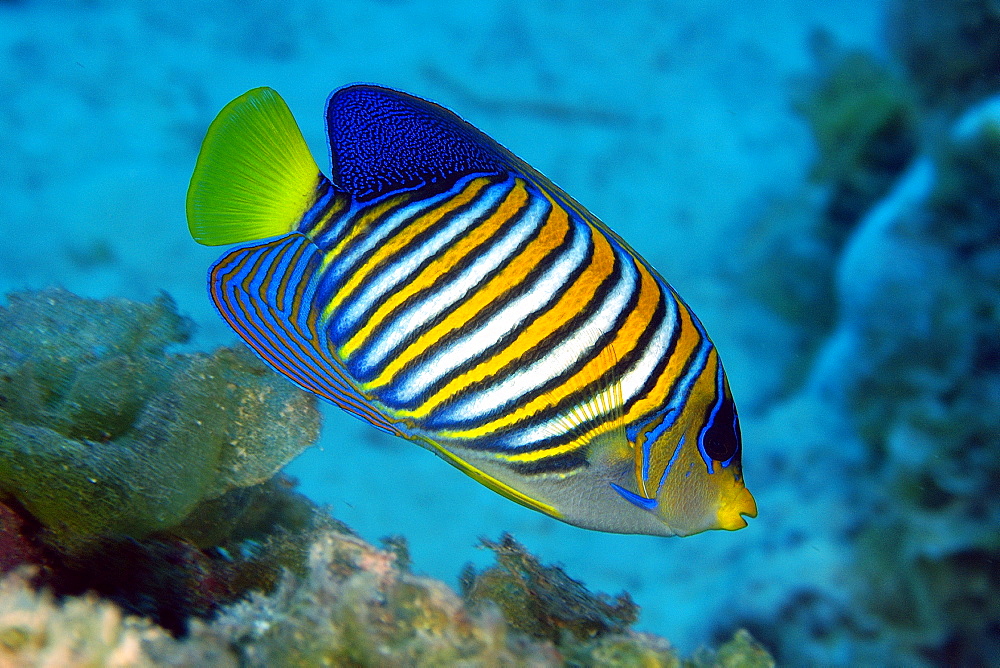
(669, 120)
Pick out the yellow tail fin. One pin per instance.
(255, 177)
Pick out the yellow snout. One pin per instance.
(731, 513)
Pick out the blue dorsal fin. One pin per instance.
(382, 140)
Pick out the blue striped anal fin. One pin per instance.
(266, 294)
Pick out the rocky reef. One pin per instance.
(143, 522)
(898, 391)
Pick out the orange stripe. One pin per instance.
(687, 343)
(370, 218)
(623, 343)
(475, 238)
(275, 346)
(552, 233)
(579, 293)
(251, 322)
(337, 206)
(283, 285)
(396, 243)
(620, 346)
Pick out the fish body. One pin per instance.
(441, 289)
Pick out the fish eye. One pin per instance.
(722, 438)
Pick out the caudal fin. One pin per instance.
(255, 177)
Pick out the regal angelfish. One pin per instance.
(446, 292)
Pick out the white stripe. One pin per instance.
(633, 379)
(538, 297)
(579, 345)
(417, 315)
(408, 264)
(345, 265)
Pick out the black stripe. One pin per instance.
(563, 463)
(478, 320)
(411, 338)
(319, 211)
(375, 274)
(364, 257)
(329, 283)
(328, 242)
(447, 277)
(661, 365)
(542, 347)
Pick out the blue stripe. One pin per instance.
(670, 464)
(319, 208)
(635, 499)
(277, 337)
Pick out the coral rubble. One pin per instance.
(354, 605)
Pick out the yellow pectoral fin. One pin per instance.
(489, 481)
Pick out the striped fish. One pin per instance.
(441, 289)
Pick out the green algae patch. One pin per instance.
(102, 432)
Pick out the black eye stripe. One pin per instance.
(722, 438)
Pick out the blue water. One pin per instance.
(671, 121)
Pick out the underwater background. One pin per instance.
(820, 181)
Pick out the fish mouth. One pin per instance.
(731, 514)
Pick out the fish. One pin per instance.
(441, 289)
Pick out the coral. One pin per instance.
(144, 476)
(103, 433)
(587, 629)
(36, 630)
(543, 601)
(965, 204)
(933, 414)
(950, 47)
(354, 605)
(171, 578)
(913, 364)
(908, 245)
(742, 651)
(358, 605)
(864, 120)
